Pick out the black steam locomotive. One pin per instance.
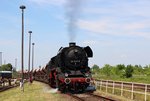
(69, 71)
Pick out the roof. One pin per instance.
(5, 71)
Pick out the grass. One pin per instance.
(32, 92)
(118, 98)
(126, 95)
(135, 78)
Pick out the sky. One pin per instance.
(118, 31)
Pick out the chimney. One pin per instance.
(72, 44)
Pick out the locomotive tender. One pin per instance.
(68, 70)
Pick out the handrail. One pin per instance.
(131, 87)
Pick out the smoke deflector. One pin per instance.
(89, 51)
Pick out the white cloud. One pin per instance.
(112, 27)
(136, 25)
(100, 43)
(126, 18)
(7, 42)
(90, 42)
(119, 8)
(98, 26)
(123, 56)
(49, 2)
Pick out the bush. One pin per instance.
(128, 71)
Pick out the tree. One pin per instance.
(15, 73)
(120, 70)
(138, 70)
(7, 67)
(147, 70)
(121, 67)
(107, 69)
(95, 69)
(128, 71)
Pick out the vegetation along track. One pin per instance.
(90, 97)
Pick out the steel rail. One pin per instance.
(8, 87)
(101, 97)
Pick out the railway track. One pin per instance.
(90, 97)
(4, 88)
(86, 96)
(8, 87)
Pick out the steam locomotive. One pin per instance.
(68, 70)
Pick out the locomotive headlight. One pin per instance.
(86, 74)
(88, 80)
(67, 80)
(66, 74)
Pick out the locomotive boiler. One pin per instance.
(69, 71)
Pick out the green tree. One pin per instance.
(95, 69)
(7, 67)
(15, 73)
(120, 70)
(128, 71)
(138, 70)
(107, 70)
(147, 70)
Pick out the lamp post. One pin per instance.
(22, 7)
(16, 63)
(29, 74)
(1, 59)
(32, 58)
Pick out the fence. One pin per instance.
(134, 91)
